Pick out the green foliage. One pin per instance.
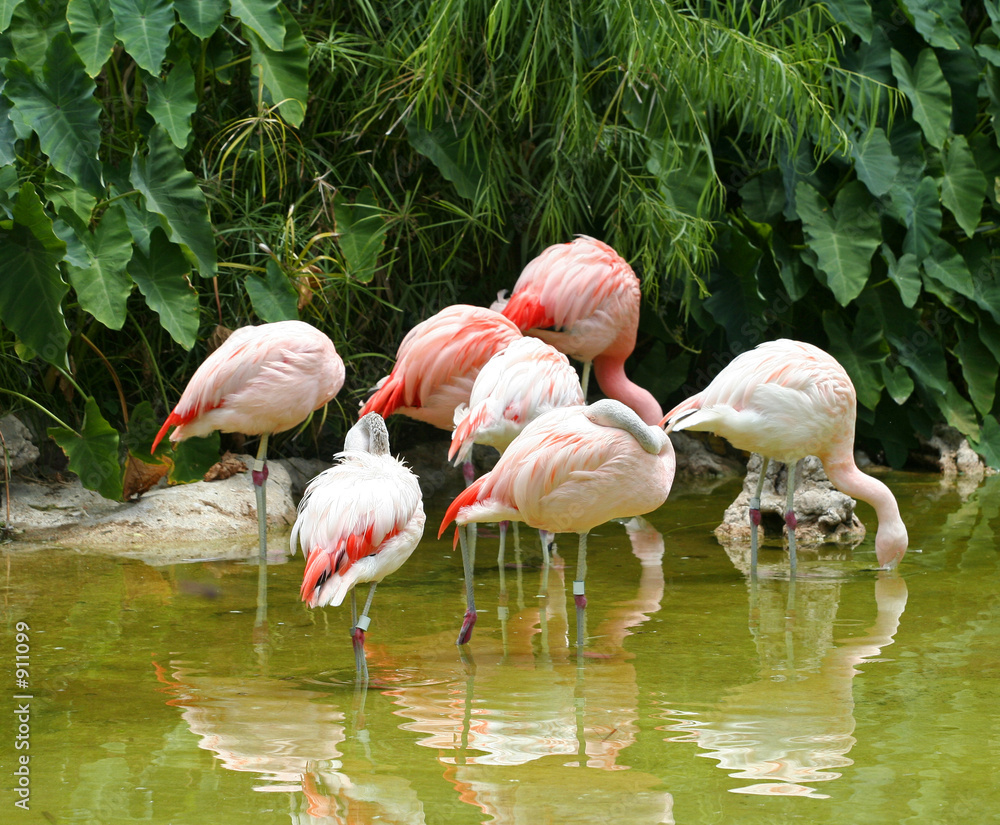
(820, 171)
(104, 121)
(884, 254)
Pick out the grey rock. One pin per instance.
(216, 519)
(19, 446)
(697, 458)
(825, 515)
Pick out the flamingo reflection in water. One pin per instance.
(530, 720)
(794, 727)
(297, 741)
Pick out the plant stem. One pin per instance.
(48, 412)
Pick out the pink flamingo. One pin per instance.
(437, 363)
(786, 400)
(515, 386)
(568, 471)
(357, 522)
(589, 296)
(262, 380)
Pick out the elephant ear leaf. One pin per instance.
(963, 187)
(62, 110)
(843, 238)
(31, 287)
(93, 452)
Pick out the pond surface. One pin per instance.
(858, 697)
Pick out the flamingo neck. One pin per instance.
(891, 538)
(610, 374)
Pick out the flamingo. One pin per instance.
(263, 380)
(437, 363)
(583, 298)
(569, 470)
(357, 522)
(515, 386)
(786, 400)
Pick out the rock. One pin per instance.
(698, 456)
(825, 515)
(948, 451)
(215, 519)
(18, 443)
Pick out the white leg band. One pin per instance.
(363, 623)
(578, 589)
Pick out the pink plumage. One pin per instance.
(263, 379)
(357, 522)
(786, 400)
(583, 298)
(569, 470)
(437, 363)
(572, 469)
(515, 386)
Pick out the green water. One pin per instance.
(860, 698)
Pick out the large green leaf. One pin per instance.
(162, 277)
(904, 273)
(172, 101)
(93, 454)
(7, 134)
(874, 162)
(361, 233)
(897, 381)
(988, 443)
(172, 192)
(843, 239)
(855, 15)
(922, 355)
(957, 412)
(31, 288)
(265, 18)
(33, 27)
(861, 352)
(963, 186)
(940, 22)
(979, 368)
(762, 196)
(921, 213)
(273, 297)
(947, 275)
(65, 194)
(193, 457)
(7, 8)
(103, 285)
(144, 26)
(284, 72)
(202, 17)
(928, 92)
(62, 111)
(452, 148)
(93, 28)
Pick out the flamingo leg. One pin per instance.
(755, 517)
(358, 633)
(502, 612)
(500, 558)
(468, 471)
(259, 476)
(579, 595)
(546, 538)
(517, 564)
(585, 379)
(467, 538)
(790, 519)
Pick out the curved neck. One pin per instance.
(610, 374)
(847, 478)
